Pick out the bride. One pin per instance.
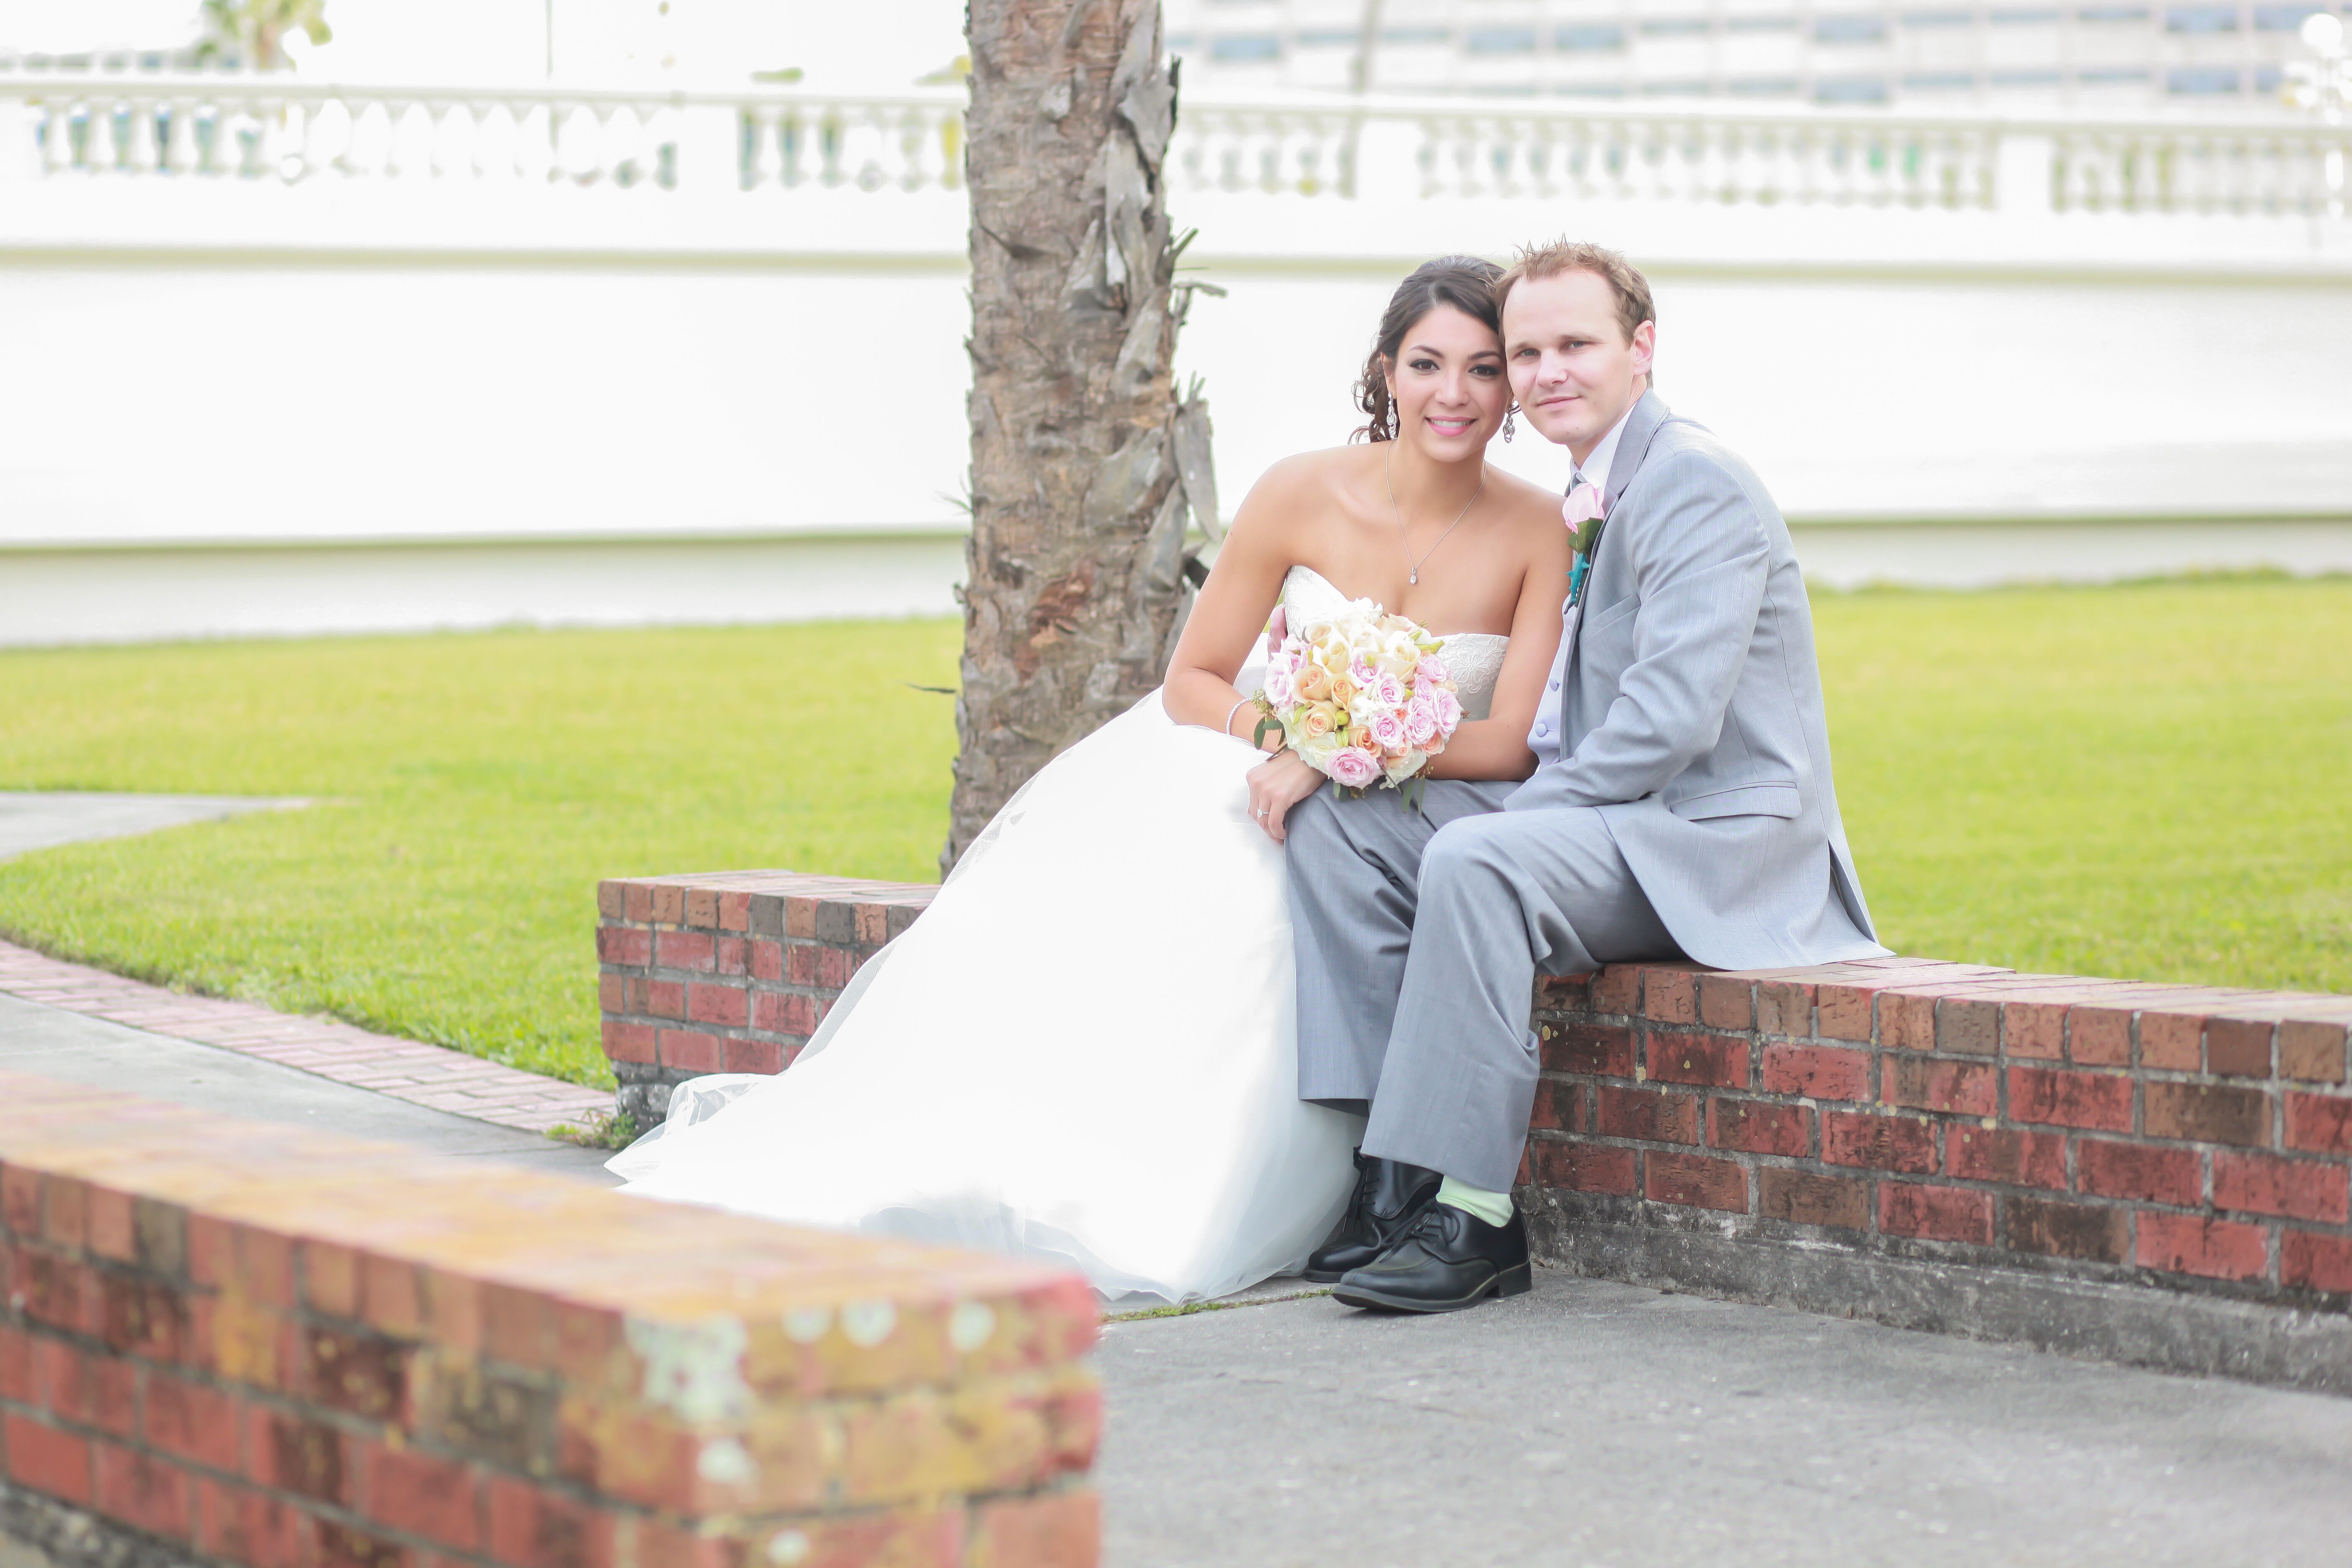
(1085, 1049)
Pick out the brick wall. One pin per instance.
(253, 1345)
(2157, 1134)
(729, 971)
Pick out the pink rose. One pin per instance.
(1448, 708)
(1421, 721)
(1279, 691)
(1432, 668)
(1388, 690)
(1387, 730)
(1354, 767)
(1361, 672)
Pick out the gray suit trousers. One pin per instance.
(1419, 937)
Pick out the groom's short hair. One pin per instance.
(1537, 262)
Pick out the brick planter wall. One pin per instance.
(1945, 1145)
(729, 971)
(232, 1343)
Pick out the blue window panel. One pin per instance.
(1327, 38)
(1760, 25)
(2268, 78)
(1669, 25)
(1938, 19)
(1693, 89)
(1861, 29)
(1416, 35)
(1589, 90)
(1938, 81)
(2282, 18)
(1245, 46)
(2030, 16)
(1765, 87)
(2111, 13)
(1589, 38)
(1851, 90)
(2201, 19)
(2107, 76)
(2029, 79)
(2201, 80)
(1500, 40)
(1179, 42)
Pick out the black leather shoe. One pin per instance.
(1449, 1259)
(1389, 1195)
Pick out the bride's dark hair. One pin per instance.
(1465, 282)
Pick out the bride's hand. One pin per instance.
(1276, 785)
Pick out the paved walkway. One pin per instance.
(1600, 1426)
(43, 819)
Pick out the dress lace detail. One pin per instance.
(1475, 658)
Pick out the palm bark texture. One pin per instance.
(1084, 465)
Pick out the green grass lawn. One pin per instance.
(2148, 781)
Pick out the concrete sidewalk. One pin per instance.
(1593, 1424)
(43, 819)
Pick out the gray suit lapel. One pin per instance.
(1633, 445)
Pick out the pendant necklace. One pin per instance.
(1388, 473)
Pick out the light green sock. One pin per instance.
(1494, 1208)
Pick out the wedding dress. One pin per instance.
(1084, 1050)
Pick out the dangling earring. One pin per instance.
(1510, 416)
(1392, 417)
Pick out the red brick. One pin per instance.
(296, 1454)
(1725, 1003)
(1645, 1113)
(2215, 1248)
(1885, 1142)
(637, 900)
(1694, 1180)
(2056, 1229)
(612, 993)
(2005, 1155)
(358, 1373)
(114, 1396)
(61, 1379)
(1804, 1198)
(611, 899)
(2033, 1029)
(1582, 1167)
(137, 1316)
(1558, 1107)
(2238, 1047)
(2207, 1113)
(1759, 1127)
(340, 1546)
(1819, 1072)
(192, 1421)
(686, 949)
(833, 968)
(145, 1493)
(750, 1055)
(2297, 1189)
(1907, 1023)
(534, 1529)
(731, 957)
(419, 1495)
(1061, 1530)
(2316, 1262)
(669, 903)
(55, 1290)
(1605, 1050)
(727, 1006)
(2172, 1041)
(20, 1200)
(2313, 1052)
(734, 911)
(702, 907)
(781, 1014)
(628, 1042)
(765, 960)
(1927, 1084)
(16, 1366)
(1844, 1012)
(1784, 1007)
(2099, 1036)
(1935, 1214)
(2095, 1100)
(1670, 995)
(690, 1050)
(1719, 1060)
(234, 1524)
(2111, 1170)
(626, 946)
(665, 998)
(111, 1231)
(46, 1459)
(1617, 989)
(2319, 1122)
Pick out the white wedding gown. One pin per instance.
(1084, 1050)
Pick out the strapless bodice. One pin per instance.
(1475, 658)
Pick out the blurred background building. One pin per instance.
(503, 310)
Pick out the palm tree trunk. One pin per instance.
(1076, 569)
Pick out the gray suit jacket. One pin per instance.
(1688, 709)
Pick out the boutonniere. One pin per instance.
(1584, 511)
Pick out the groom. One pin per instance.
(1681, 806)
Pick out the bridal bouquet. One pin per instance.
(1363, 697)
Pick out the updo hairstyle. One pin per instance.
(1465, 282)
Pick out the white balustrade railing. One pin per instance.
(281, 128)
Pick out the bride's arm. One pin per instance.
(1230, 615)
(1495, 747)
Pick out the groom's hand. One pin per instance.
(1276, 785)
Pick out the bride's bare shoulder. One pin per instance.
(1306, 472)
